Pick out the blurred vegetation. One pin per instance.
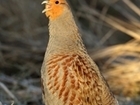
(110, 30)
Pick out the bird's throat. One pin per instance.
(64, 35)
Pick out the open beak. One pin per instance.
(47, 7)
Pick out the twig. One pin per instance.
(107, 36)
(114, 22)
(110, 51)
(132, 6)
(118, 26)
(0, 103)
(12, 103)
(9, 92)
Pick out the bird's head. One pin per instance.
(54, 8)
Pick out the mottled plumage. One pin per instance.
(68, 74)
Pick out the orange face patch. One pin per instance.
(54, 8)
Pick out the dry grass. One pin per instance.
(111, 32)
(123, 67)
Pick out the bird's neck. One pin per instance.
(64, 35)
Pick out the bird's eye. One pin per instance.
(57, 2)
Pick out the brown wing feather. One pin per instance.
(73, 80)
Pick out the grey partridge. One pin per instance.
(68, 74)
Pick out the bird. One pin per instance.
(68, 74)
